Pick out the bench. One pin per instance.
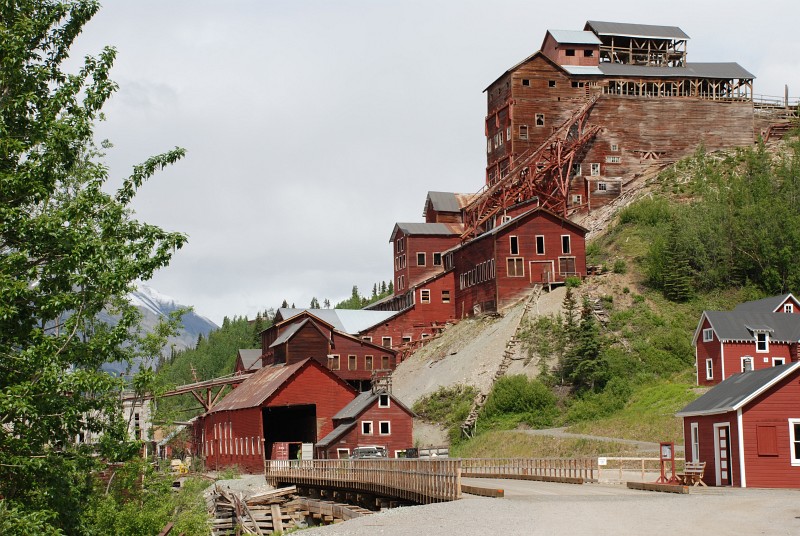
(692, 474)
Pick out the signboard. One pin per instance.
(602, 461)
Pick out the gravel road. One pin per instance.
(535, 508)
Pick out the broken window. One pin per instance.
(539, 120)
(523, 132)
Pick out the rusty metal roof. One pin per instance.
(647, 31)
(259, 387)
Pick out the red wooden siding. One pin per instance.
(400, 428)
(707, 452)
(708, 350)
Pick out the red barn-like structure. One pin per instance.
(747, 429)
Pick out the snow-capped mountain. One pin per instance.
(154, 306)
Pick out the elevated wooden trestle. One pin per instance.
(203, 391)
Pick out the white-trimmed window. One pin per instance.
(540, 244)
(778, 361)
(794, 440)
(386, 341)
(709, 369)
(614, 147)
(602, 187)
(695, 438)
(576, 169)
(342, 454)
(788, 308)
(437, 259)
(523, 132)
(333, 360)
(445, 296)
(384, 427)
(539, 120)
(352, 362)
(367, 362)
(385, 365)
(526, 82)
(406, 339)
(367, 338)
(516, 267)
(425, 295)
(508, 133)
(384, 400)
(708, 335)
(420, 259)
(747, 363)
(513, 245)
(577, 199)
(762, 342)
(595, 167)
(366, 427)
(566, 246)
(613, 159)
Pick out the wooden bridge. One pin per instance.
(414, 480)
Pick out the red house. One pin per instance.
(755, 335)
(292, 403)
(374, 418)
(747, 429)
(304, 334)
(418, 251)
(495, 269)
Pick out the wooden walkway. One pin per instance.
(417, 481)
(568, 470)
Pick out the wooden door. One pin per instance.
(540, 271)
(722, 454)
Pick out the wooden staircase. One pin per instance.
(468, 428)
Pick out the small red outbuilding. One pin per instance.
(747, 429)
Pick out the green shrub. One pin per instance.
(572, 282)
(650, 212)
(620, 267)
(517, 399)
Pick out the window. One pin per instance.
(367, 362)
(445, 296)
(366, 427)
(570, 52)
(551, 83)
(526, 82)
(595, 169)
(576, 169)
(602, 187)
(385, 428)
(425, 295)
(577, 84)
(488, 145)
(352, 362)
(695, 437)
(588, 53)
(778, 361)
(708, 335)
(514, 243)
(794, 440)
(565, 245)
(425, 335)
(383, 400)
(709, 369)
(762, 342)
(540, 244)
(613, 159)
(437, 259)
(788, 308)
(385, 362)
(403, 261)
(577, 199)
(747, 364)
(508, 133)
(539, 120)
(386, 341)
(523, 132)
(566, 266)
(342, 454)
(767, 440)
(614, 147)
(420, 259)
(333, 361)
(516, 267)
(367, 338)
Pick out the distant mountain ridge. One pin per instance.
(154, 306)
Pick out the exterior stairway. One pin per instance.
(468, 428)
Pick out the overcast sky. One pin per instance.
(313, 126)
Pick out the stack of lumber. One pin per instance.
(262, 513)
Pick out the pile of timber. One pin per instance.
(278, 510)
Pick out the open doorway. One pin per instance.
(289, 424)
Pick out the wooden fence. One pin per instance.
(419, 481)
(553, 469)
(625, 468)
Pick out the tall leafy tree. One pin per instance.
(68, 250)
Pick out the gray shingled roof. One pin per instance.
(766, 305)
(740, 325)
(337, 432)
(289, 333)
(251, 358)
(444, 201)
(363, 401)
(635, 30)
(574, 37)
(738, 390)
(426, 229)
(718, 70)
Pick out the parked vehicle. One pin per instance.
(368, 452)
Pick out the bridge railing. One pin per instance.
(557, 468)
(420, 481)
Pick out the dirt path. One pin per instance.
(642, 446)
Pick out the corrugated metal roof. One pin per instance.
(337, 432)
(583, 70)
(444, 201)
(427, 229)
(350, 321)
(289, 332)
(766, 305)
(740, 325)
(635, 30)
(575, 37)
(259, 387)
(725, 71)
(362, 402)
(251, 358)
(738, 390)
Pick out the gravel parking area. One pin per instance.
(536, 508)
